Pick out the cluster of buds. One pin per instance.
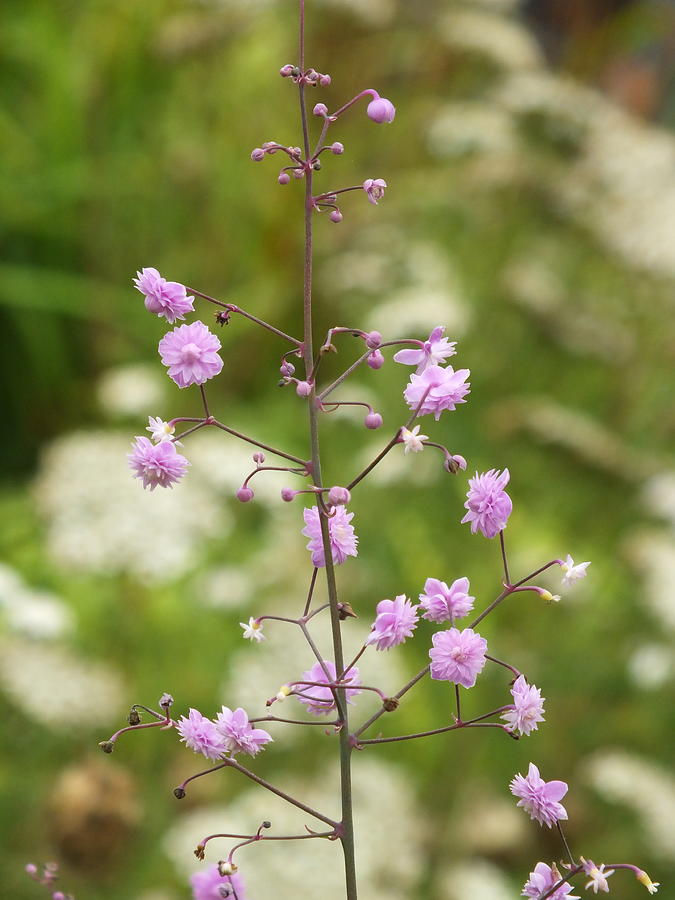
(310, 76)
(48, 878)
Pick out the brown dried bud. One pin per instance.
(199, 852)
(107, 746)
(345, 611)
(134, 718)
(390, 704)
(222, 317)
(179, 793)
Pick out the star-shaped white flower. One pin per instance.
(160, 430)
(573, 572)
(598, 876)
(253, 630)
(413, 441)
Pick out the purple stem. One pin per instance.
(232, 307)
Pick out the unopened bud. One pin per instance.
(257, 154)
(199, 851)
(324, 80)
(283, 692)
(316, 165)
(165, 701)
(30, 869)
(133, 718)
(244, 494)
(320, 110)
(179, 793)
(373, 420)
(266, 824)
(339, 496)
(223, 317)
(287, 369)
(389, 704)
(381, 110)
(286, 71)
(337, 148)
(106, 746)
(335, 216)
(284, 178)
(225, 867)
(303, 389)
(375, 360)
(373, 340)
(258, 458)
(287, 494)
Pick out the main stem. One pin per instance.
(347, 835)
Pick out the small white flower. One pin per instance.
(253, 630)
(413, 440)
(159, 430)
(652, 886)
(573, 572)
(598, 876)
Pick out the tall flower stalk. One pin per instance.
(330, 686)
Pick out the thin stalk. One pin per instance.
(347, 830)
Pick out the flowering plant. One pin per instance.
(331, 684)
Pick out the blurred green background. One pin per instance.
(531, 209)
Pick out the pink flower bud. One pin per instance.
(30, 869)
(320, 110)
(286, 71)
(339, 496)
(335, 216)
(373, 420)
(337, 148)
(283, 178)
(58, 895)
(257, 154)
(299, 172)
(287, 494)
(381, 110)
(303, 389)
(287, 369)
(459, 461)
(324, 80)
(259, 458)
(244, 494)
(375, 360)
(373, 340)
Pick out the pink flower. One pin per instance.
(156, 464)
(207, 885)
(489, 506)
(165, 298)
(374, 188)
(319, 700)
(434, 352)
(395, 621)
(541, 799)
(457, 656)
(445, 604)
(191, 353)
(528, 707)
(441, 388)
(201, 735)
(239, 734)
(343, 541)
(381, 110)
(542, 879)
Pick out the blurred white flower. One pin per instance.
(475, 878)
(471, 128)
(653, 553)
(58, 689)
(316, 865)
(501, 40)
(651, 665)
(643, 786)
(99, 519)
(131, 390)
(32, 613)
